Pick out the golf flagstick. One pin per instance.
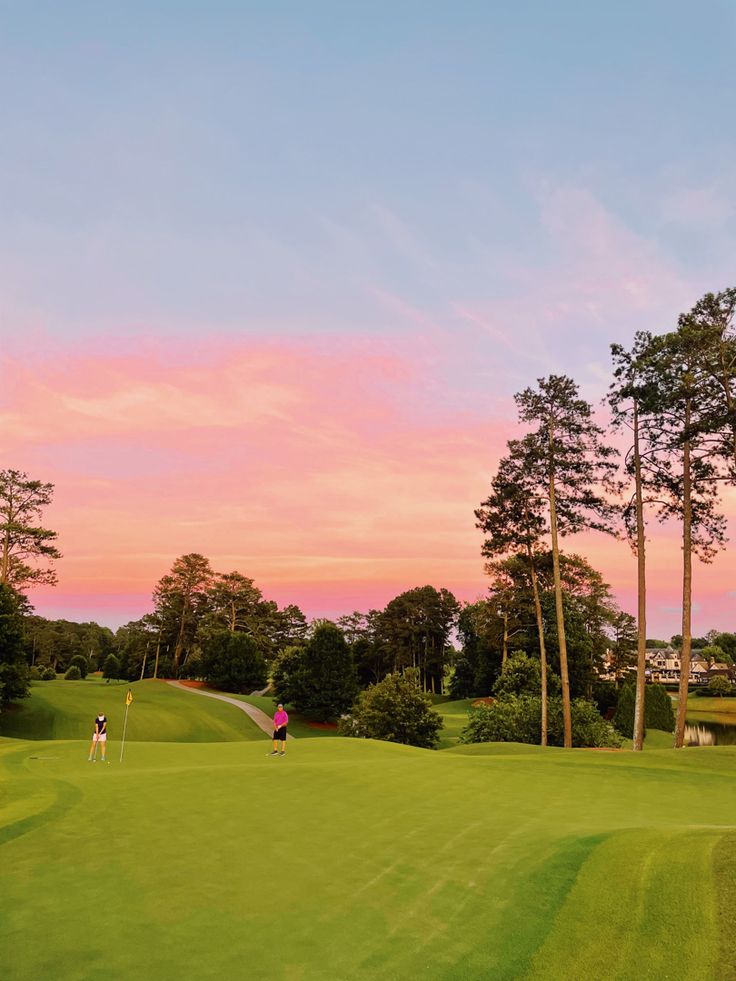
(128, 700)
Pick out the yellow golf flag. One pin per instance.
(129, 697)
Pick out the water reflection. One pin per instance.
(707, 733)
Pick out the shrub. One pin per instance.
(82, 663)
(72, 673)
(518, 719)
(658, 711)
(605, 695)
(48, 674)
(589, 728)
(35, 673)
(111, 667)
(232, 661)
(720, 686)
(395, 710)
(623, 720)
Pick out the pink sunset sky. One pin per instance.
(270, 277)
(336, 473)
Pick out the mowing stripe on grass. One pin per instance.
(650, 895)
(724, 873)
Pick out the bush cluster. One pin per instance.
(518, 719)
(658, 711)
(80, 661)
(72, 673)
(395, 710)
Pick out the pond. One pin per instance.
(710, 730)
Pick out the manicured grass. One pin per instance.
(454, 719)
(67, 709)
(722, 706)
(356, 859)
(655, 739)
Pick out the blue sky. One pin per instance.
(259, 164)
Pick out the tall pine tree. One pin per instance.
(566, 457)
(512, 518)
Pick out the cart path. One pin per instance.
(260, 718)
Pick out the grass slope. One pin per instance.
(67, 710)
(355, 859)
(298, 724)
(454, 719)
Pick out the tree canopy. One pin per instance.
(23, 541)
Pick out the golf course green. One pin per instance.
(201, 857)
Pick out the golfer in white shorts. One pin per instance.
(99, 736)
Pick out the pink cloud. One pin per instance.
(313, 468)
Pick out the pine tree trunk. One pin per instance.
(542, 648)
(143, 667)
(562, 640)
(5, 566)
(687, 588)
(158, 650)
(505, 651)
(641, 659)
(180, 639)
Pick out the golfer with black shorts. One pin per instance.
(280, 722)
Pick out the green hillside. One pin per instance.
(67, 709)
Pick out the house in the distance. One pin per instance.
(663, 666)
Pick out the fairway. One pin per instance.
(354, 859)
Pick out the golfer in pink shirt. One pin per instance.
(280, 722)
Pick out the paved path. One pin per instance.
(260, 718)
